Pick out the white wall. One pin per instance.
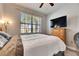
(32, 12)
(72, 12)
(44, 25)
(12, 12)
(1, 13)
(1, 10)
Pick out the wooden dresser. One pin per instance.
(59, 32)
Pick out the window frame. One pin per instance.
(36, 25)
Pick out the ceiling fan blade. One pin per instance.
(41, 5)
(51, 4)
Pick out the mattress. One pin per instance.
(42, 45)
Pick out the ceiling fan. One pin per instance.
(51, 4)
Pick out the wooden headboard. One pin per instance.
(0, 28)
(13, 48)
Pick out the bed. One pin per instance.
(42, 45)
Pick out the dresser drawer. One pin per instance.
(59, 32)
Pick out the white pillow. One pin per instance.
(4, 38)
(3, 41)
(7, 36)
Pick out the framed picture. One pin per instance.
(76, 38)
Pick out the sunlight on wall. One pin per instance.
(5, 22)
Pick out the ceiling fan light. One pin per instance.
(51, 4)
(41, 5)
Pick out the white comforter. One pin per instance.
(41, 45)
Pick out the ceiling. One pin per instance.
(46, 8)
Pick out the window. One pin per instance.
(30, 23)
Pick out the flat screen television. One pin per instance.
(60, 21)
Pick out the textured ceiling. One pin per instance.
(46, 8)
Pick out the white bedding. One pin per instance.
(42, 45)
